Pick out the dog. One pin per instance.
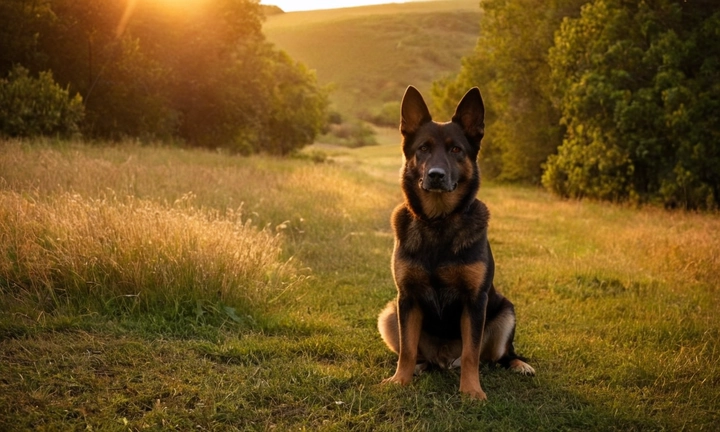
(447, 312)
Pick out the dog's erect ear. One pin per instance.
(413, 113)
(470, 115)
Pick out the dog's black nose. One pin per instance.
(436, 174)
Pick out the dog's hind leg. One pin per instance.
(510, 359)
(498, 344)
(515, 363)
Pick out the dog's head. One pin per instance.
(440, 170)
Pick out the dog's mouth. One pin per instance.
(437, 187)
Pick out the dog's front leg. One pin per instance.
(410, 318)
(472, 327)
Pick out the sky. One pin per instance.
(299, 5)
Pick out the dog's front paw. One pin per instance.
(475, 392)
(398, 379)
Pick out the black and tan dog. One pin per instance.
(447, 312)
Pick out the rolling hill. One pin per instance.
(369, 55)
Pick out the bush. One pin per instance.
(37, 106)
(350, 134)
(510, 67)
(637, 85)
(389, 115)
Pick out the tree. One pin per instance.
(201, 71)
(510, 67)
(637, 85)
(37, 106)
(21, 23)
(297, 106)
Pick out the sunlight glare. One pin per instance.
(294, 5)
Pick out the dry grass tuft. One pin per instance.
(130, 253)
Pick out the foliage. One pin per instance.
(296, 112)
(200, 71)
(387, 115)
(138, 88)
(638, 85)
(612, 103)
(353, 134)
(510, 67)
(37, 106)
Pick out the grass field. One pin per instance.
(157, 288)
(369, 55)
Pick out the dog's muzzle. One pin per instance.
(437, 180)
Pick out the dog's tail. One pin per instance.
(388, 326)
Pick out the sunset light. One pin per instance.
(358, 214)
(294, 5)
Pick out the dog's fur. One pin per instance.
(447, 312)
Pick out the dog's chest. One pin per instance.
(436, 243)
(443, 264)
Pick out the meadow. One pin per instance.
(150, 287)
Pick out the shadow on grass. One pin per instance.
(514, 403)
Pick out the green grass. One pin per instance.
(617, 306)
(370, 54)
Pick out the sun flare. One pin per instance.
(294, 5)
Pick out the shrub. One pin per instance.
(350, 134)
(37, 106)
(388, 115)
(637, 84)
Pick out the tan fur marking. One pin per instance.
(409, 341)
(469, 275)
(469, 361)
(474, 274)
(437, 204)
(467, 169)
(406, 272)
(451, 275)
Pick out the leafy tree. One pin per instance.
(21, 24)
(510, 66)
(297, 106)
(638, 85)
(37, 106)
(201, 72)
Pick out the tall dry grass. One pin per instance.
(127, 254)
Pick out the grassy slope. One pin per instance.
(371, 54)
(617, 309)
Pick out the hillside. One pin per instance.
(370, 54)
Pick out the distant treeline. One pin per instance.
(199, 72)
(609, 99)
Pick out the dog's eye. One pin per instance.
(423, 148)
(455, 149)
